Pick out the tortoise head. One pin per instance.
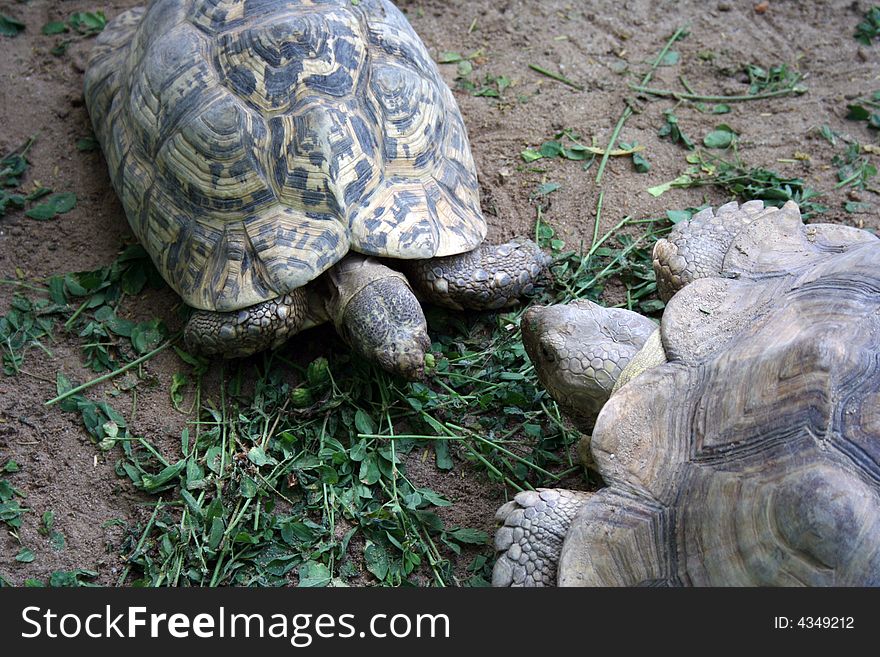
(580, 349)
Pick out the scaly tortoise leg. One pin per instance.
(247, 331)
(529, 542)
(487, 278)
(696, 248)
(561, 537)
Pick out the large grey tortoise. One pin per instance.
(256, 144)
(741, 444)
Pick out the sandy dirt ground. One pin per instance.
(601, 45)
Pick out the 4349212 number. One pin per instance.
(814, 622)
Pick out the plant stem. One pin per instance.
(680, 95)
(598, 219)
(110, 375)
(73, 317)
(555, 76)
(618, 225)
(7, 281)
(686, 84)
(140, 543)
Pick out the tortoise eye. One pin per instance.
(547, 353)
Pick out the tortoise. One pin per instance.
(740, 441)
(275, 156)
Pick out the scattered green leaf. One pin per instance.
(51, 208)
(670, 58)
(869, 28)
(858, 207)
(672, 130)
(55, 27)
(10, 26)
(866, 109)
(774, 79)
(717, 108)
(87, 144)
(25, 555)
(722, 136)
(87, 23)
(854, 168)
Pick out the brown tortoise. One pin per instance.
(740, 444)
(257, 144)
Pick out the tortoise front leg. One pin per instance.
(487, 278)
(529, 541)
(247, 331)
